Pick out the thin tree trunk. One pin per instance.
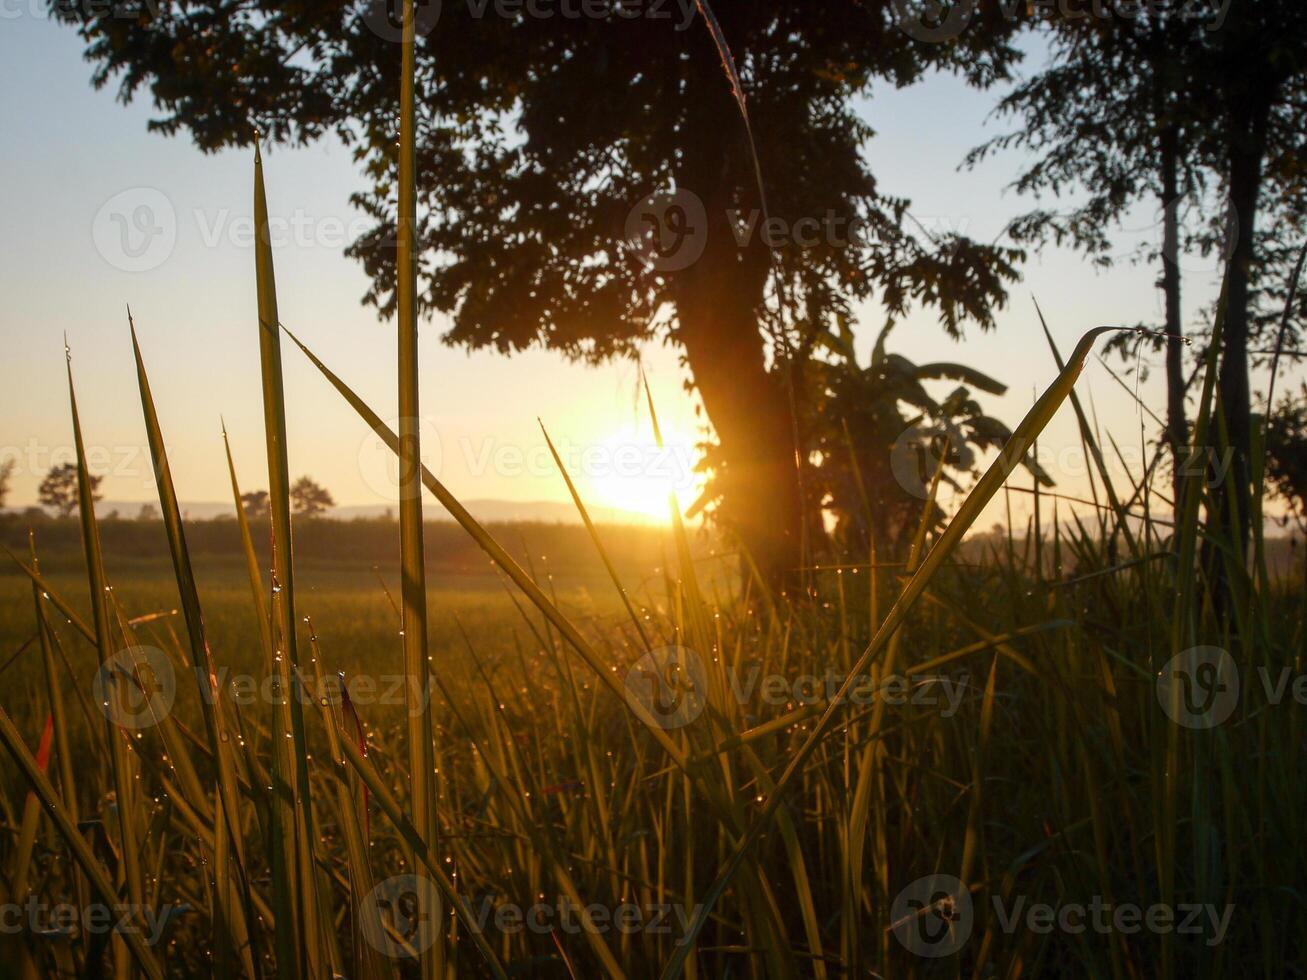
(1177, 427)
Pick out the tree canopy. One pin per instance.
(539, 138)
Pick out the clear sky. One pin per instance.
(69, 152)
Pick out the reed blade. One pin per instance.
(413, 585)
(236, 916)
(122, 762)
(292, 835)
(251, 559)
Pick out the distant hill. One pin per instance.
(485, 511)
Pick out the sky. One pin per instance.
(77, 164)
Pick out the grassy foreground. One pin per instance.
(1024, 752)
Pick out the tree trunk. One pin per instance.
(1177, 428)
(718, 303)
(1248, 124)
(719, 299)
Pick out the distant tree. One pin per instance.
(58, 490)
(148, 512)
(545, 148)
(6, 474)
(255, 504)
(309, 498)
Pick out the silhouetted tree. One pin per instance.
(58, 490)
(1145, 104)
(541, 142)
(255, 504)
(1257, 69)
(6, 475)
(1116, 114)
(309, 498)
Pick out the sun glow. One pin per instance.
(629, 471)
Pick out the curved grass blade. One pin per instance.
(737, 90)
(235, 915)
(1095, 452)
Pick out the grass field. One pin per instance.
(1017, 744)
(350, 598)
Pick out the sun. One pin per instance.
(629, 471)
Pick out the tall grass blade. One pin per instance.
(365, 915)
(251, 559)
(122, 763)
(293, 872)
(413, 585)
(54, 690)
(598, 542)
(71, 615)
